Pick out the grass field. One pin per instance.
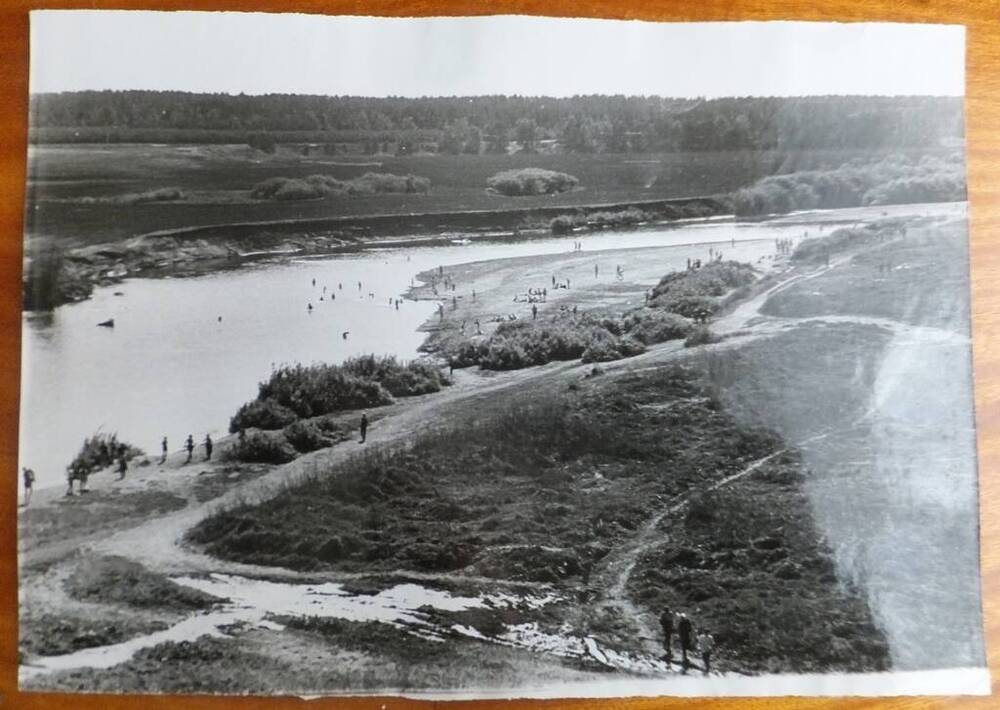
(72, 189)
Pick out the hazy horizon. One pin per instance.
(511, 55)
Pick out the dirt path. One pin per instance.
(616, 567)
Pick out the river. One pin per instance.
(185, 353)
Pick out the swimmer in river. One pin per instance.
(309, 307)
(345, 334)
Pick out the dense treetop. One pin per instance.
(491, 123)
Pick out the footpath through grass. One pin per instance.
(545, 486)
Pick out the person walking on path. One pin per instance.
(534, 311)
(208, 447)
(163, 446)
(189, 445)
(364, 427)
(667, 624)
(706, 644)
(684, 631)
(29, 482)
(122, 467)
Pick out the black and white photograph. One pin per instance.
(496, 357)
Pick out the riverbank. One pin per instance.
(55, 275)
(649, 521)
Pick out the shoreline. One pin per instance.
(190, 251)
(177, 254)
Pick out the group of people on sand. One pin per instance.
(783, 246)
(680, 625)
(189, 446)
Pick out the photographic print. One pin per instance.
(496, 357)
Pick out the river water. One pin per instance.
(171, 367)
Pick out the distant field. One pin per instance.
(217, 179)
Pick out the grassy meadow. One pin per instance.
(85, 194)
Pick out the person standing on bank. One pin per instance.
(29, 484)
(189, 445)
(208, 447)
(706, 644)
(667, 624)
(163, 446)
(122, 467)
(364, 427)
(684, 631)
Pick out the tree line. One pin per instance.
(489, 124)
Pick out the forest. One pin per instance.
(500, 124)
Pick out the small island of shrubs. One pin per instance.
(530, 181)
(316, 187)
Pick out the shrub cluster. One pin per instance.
(895, 179)
(163, 194)
(301, 391)
(100, 451)
(261, 447)
(307, 436)
(567, 223)
(695, 293)
(818, 248)
(531, 181)
(651, 326)
(316, 187)
(605, 347)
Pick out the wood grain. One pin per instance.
(983, 131)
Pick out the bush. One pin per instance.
(100, 451)
(694, 293)
(263, 141)
(519, 344)
(417, 377)
(606, 347)
(261, 447)
(310, 391)
(531, 181)
(651, 326)
(563, 224)
(315, 187)
(307, 436)
(321, 389)
(567, 223)
(261, 414)
(701, 336)
(892, 180)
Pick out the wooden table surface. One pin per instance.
(981, 17)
